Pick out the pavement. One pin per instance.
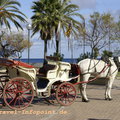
(97, 109)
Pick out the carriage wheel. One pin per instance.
(66, 94)
(3, 81)
(18, 93)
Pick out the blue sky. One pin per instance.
(87, 7)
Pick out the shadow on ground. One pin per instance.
(97, 119)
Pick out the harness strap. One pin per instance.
(108, 71)
(95, 66)
(89, 65)
(103, 70)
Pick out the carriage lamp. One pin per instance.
(29, 27)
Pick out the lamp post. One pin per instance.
(29, 27)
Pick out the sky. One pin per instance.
(87, 7)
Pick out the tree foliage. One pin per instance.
(58, 55)
(64, 20)
(117, 29)
(107, 53)
(42, 22)
(13, 44)
(51, 16)
(9, 12)
(98, 31)
(84, 56)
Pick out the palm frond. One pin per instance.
(9, 11)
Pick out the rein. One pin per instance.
(103, 70)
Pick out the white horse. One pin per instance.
(100, 69)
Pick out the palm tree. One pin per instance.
(62, 16)
(9, 12)
(67, 20)
(41, 21)
(51, 16)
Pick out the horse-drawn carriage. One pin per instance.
(55, 80)
(22, 82)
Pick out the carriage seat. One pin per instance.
(22, 64)
(8, 62)
(48, 70)
(64, 68)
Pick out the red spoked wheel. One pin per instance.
(18, 93)
(66, 94)
(3, 81)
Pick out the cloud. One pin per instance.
(85, 4)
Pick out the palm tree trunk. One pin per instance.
(57, 37)
(45, 50)
(57, 46)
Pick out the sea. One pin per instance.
(40, 60)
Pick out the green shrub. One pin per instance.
(107, 53)
(84, 56)
(58, 55)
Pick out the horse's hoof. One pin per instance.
(108, 99)
(83, 100)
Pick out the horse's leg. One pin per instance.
(108, 88)
(83, 88)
